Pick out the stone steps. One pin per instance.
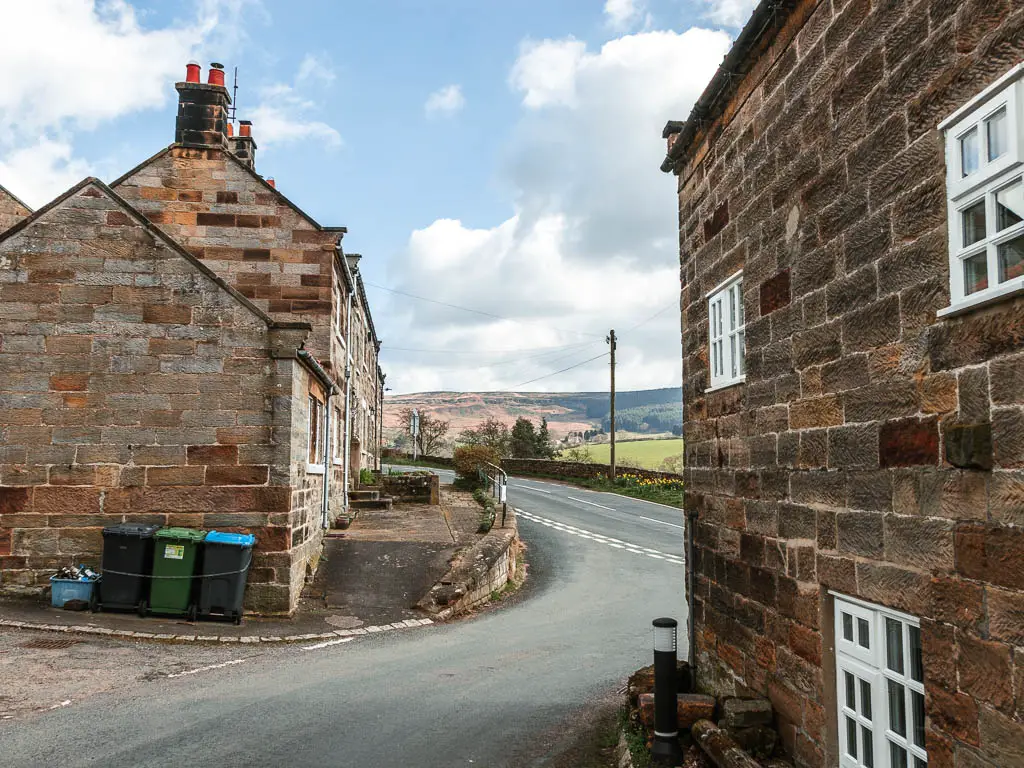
(364, 494)
(370, 504)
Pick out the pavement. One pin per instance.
(500, 689)
(370, 577)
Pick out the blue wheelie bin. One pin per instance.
(226, 561)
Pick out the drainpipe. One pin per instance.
(331, 390)
(689, 521)
(348, 383)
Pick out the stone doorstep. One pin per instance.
(248, 639)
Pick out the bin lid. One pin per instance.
(142, 530)
(181, 534)
(237, 539)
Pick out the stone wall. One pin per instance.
(578, 469)
(243, 229)
(11, 210)
(425, 488)
(830, 468)
(135, 387)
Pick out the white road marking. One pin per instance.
(598, 538)
(531, 488)
(634, 498)
(591, 503)
(673, 525)
(327, 644)
(207, 669)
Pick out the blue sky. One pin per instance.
(496, 155)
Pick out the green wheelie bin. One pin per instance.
(174, 566)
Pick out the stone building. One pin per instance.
(194, 322)
(12, 210)
(851, 224)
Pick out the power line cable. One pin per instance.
(513, 361)
(474, 311)
(555, 373)
(386, 348)
(663, 310)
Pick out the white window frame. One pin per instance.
(867, 665)
(727, 334)
(339, 437)
(991, 176)
(317, 441)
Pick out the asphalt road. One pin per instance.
(494, 690)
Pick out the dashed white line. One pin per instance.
(207, 669)
(601, 539)
(531, 488)
(591, 503)
(673, 525)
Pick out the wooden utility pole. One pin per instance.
(611, 343)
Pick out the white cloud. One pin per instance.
(74, 64)
(445, 101)
(314, 67)
(621, 14)
(730, 13)
(592, 242)
(282, 115)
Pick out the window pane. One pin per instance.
(851, 737)
(851, 691)
(919, 763)
(848, 627)
(1011, 259)
(865, 699)
(739, 295)
(732, 354)
(917, 704)
(869, 747)
(975, 273)
(743, 352)
(916, 666)
(973, 219)
(894, 645)
(995, 127)
(863, 633)
(969, 152)
(1009, 206)
(897, 756)
(897, 708)
(732, 308)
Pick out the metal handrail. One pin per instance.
(498, 484)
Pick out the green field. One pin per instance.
(643, 453)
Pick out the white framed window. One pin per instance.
(985, 195)
(726, 336)
(315, 437)
(339, 436)
(879, 686)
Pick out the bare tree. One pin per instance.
(492, 433)
(432, 431)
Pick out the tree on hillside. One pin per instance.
(432, 431)
(524, 439)
(544, 448)
(491, 433)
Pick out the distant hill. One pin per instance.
(565, 411)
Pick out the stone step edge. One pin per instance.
(122, 634)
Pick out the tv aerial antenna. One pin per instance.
(234, 97)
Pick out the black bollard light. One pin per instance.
(665, 748)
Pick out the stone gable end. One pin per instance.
(12, 210)
(134, 387)
(243, 230)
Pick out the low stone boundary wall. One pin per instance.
(421, 489)
(483, 568)
(576, 469)
(391, 456)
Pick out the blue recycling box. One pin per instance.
(62, 590)
(226, 561)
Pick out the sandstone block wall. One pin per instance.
(134, 387)
(244, 231)
(575, 469)
(831, 467)
(12, 210)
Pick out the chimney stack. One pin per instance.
(243, 146)
(202, 108)
(272, 183)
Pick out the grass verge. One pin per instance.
(636, 741)
(671, 498)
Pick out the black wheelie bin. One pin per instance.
(127, 565)
(226, 561)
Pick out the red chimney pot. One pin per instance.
(244, 128)
(216, 76)
(231, 129)
(272, 183)
(192, 72)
